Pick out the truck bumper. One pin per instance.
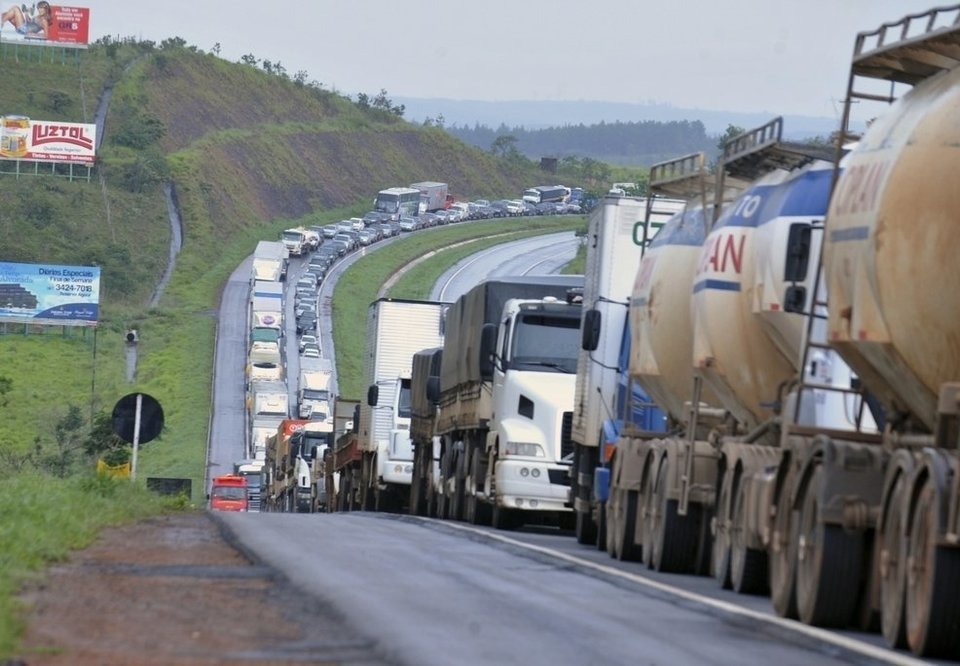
(396, 471)
(532, 485)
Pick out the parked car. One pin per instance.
(310, 351)
(307, 283)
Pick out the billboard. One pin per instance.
(49, 294)
(45, 24)
(47, 141)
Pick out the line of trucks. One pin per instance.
(759, 379)
(280, 466)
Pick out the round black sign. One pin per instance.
(125, 417)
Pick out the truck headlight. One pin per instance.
(529, 449)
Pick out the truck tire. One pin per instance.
(720, 560)
(748, 566)
(505, 519)
(476, 511)
(932, 610)
(893, 570)
(586, 527)
(675, 537)
(828, 565)
(625, 544)
(783, 555)
(601, 542)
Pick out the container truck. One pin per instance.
(270, 260)
(344, 461)
(396, 329)
(506, 400)
(266, 305)
(614, 241)
(433, 196)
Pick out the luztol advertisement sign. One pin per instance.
(45, 24)
(49, 294)
(47, 141)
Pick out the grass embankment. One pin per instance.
(359, 286)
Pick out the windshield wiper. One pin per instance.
(549, 364)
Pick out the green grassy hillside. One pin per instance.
(248, 153)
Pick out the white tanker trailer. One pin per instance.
(891, 261)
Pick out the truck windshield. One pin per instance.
(547, 341)
(294, 236)
(316, 394)
(230, 492)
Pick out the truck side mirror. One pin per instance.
(373, 395)
(798, 253)
(488, 343)
(590, 339)
(433, 389)
(795, 300)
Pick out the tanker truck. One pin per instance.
(506, 401)
(715, 345)
(615, 238)
(872, 523)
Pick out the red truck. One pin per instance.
(229, 493)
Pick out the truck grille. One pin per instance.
(253, 501)
(566, 427)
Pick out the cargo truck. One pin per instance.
(506, 392)
(424, 390)
(266, 305)
(314, 399)
(396, 329)
(615, 239)
(433, 196)
(270, 260)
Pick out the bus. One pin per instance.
(398, 202)
(546, 193)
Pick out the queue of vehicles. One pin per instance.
(771, 398)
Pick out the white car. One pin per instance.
(310, 352)
(308, 339)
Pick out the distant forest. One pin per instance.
(623, 143)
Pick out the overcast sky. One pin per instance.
(779, 56)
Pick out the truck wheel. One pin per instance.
(586, 528)
(748, 566)
(505, 519)
(417, 500)
(609, 543)
(626, 548)
(675, 537)
(933, 580)
(601, 541)
(456, 498)
(720, 565)
(783, 555)
(476, 512)
(828, 565)
(893, 571)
